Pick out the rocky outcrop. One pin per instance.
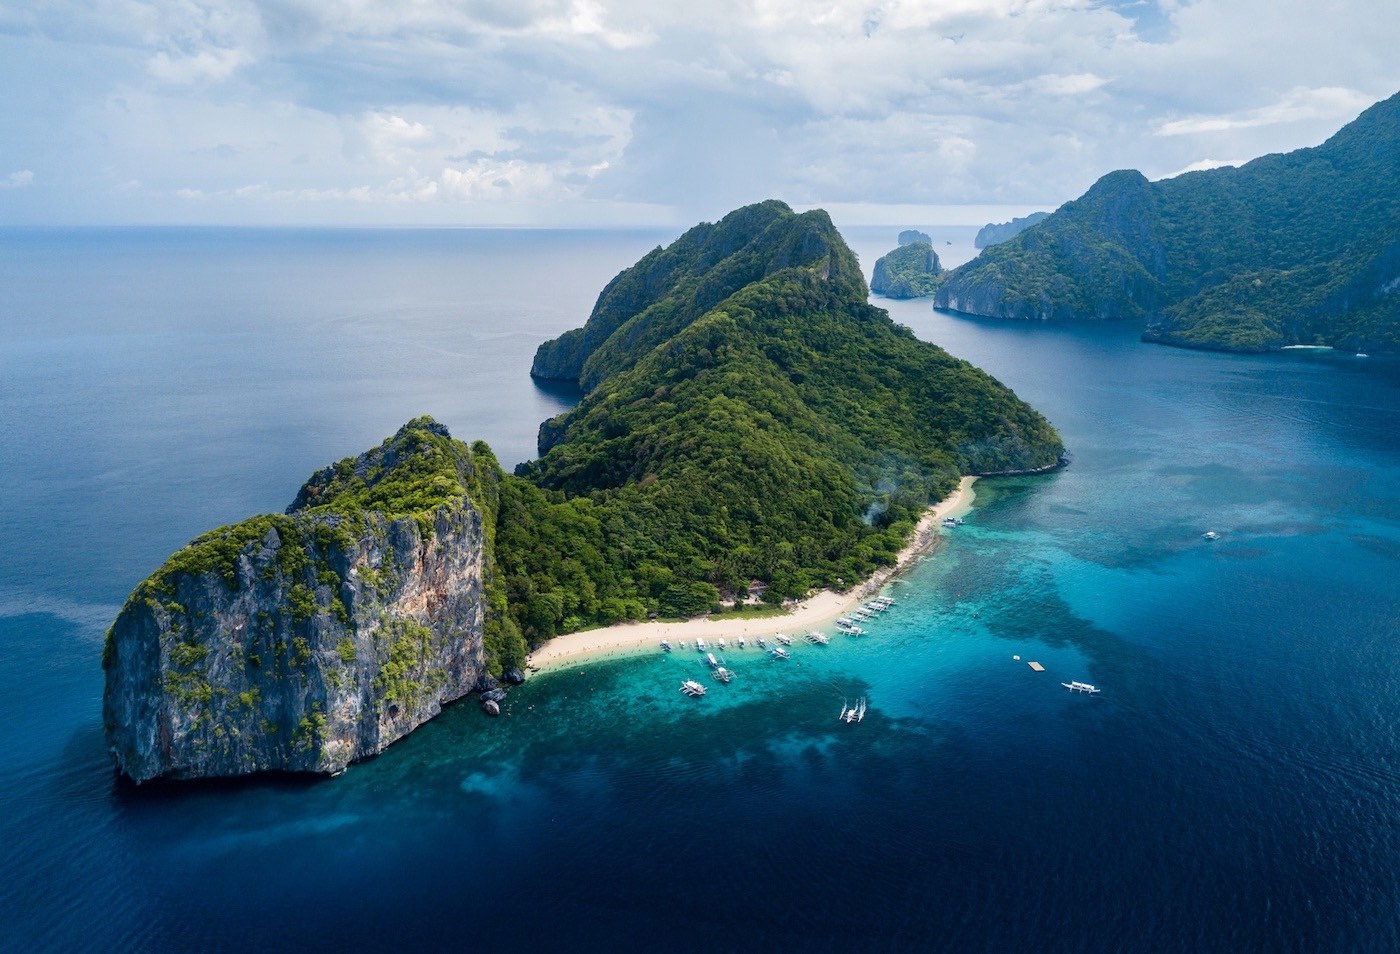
(910, 271)
(307, 641)
(1292, 248)
(670, 287)
(995, 232)
(910, 236)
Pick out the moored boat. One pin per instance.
(1073, 686)
(779, 652)
(692, 688)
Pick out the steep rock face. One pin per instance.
(302, 642)
(910, 271)
(1296, 248)
(673, 286)
(996, 232)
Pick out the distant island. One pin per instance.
(747, 416)
(910, 236)
(910, 271)
(1300, 248)
(994, 233)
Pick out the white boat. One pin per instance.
(700, 645)
(819, 638)
(722, 643)
(855, 713)
(845, 621)
(723, 675)
(692, 688)
(762, 643)
(711, 660)
(1080, 687)
(665, 645)
(783, 638)
(781, 653)
(1211, 535)
(741, 642)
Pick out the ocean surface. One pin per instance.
(1234, 787)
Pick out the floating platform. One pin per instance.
(1036, 666)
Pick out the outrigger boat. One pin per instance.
(779, 652)
(723, 675)
(853, 713)
(665, 645)
(783, 638)
(711, 660)
(700, 645)
(721, 643)
(1080, 687)
(692, 688)
(762, 643)
(741, 642)
(819, 638)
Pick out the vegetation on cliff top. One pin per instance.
(910, 271)
(749, 416)
(1297, 248)
(791, 433)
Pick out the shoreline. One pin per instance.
(630, 639)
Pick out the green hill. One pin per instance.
(910, 271)
(788, 432)
(1295, 248)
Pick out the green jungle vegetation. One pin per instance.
(910, 271)
(1294, 248)
(750, 417)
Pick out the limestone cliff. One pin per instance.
(1294, 248)
(910, 271)
(994, 233)
(304, 642)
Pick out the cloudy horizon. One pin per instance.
(619, 112)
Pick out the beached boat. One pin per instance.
(692, 688)
(819, 638)
(741, 642)
(762, 643)
(1080, 687)
(780, 653)
(723, 675)
(700, 645)
(665, 645)
(722, 644)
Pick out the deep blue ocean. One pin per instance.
(1234, 787)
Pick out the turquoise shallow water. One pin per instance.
(1234, 787)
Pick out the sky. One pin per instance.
(651, 112)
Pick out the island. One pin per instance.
(994, 233)
(747, 416)
(910, 236)
(910, 271)
(1300, 248)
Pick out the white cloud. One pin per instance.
(210, 64)
(449, 107)
(1328, 103)
(17, 179)
(1201, 165)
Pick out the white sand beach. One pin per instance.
(627, 639)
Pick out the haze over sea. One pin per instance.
(1234, 787)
